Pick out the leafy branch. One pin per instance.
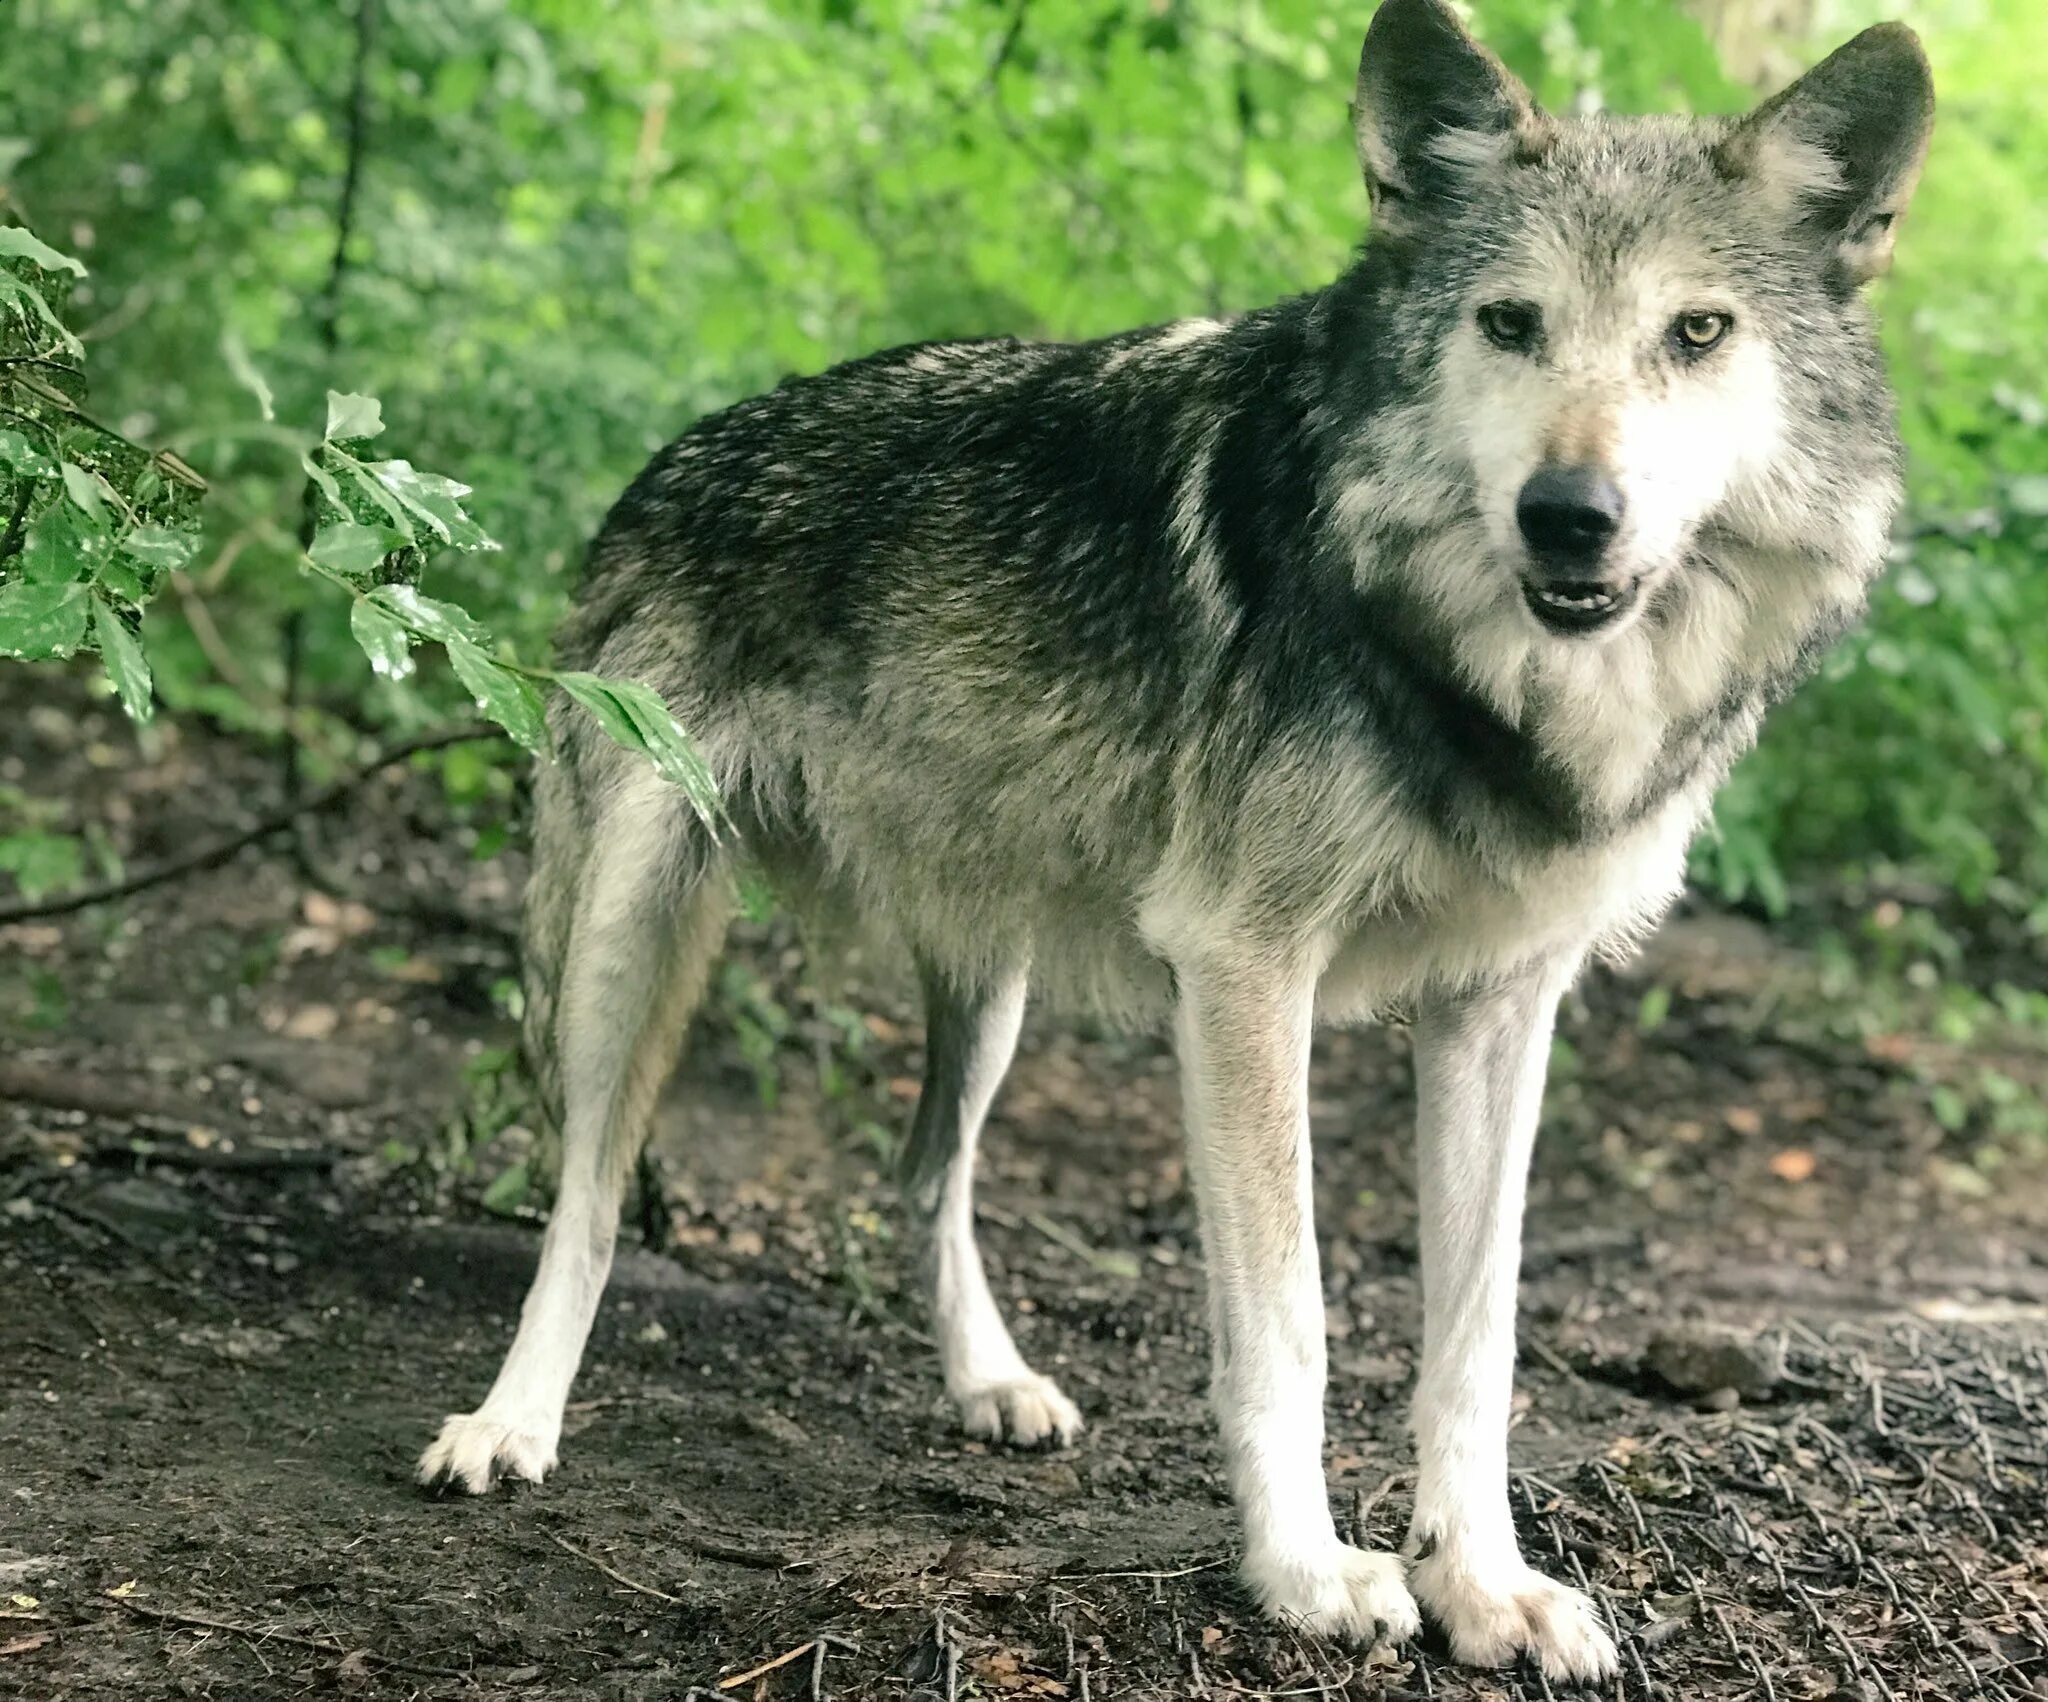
(92, 526)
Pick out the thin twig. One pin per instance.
(221, 851)
(327, 326)
(616, 1576)
(761, 1559)
(1183, 1572)
(740, 1678)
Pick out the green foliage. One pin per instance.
(97, 526)
(576, 229)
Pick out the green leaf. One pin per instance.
(39, 621)
(62, 544)
(236, 353)
(596, 696)
(162, 548)
(42, 862)
(669, 745)
(83, 488)
(368, 483)
(125, 663)
(442, 622)
(637, 718)
(320, 476)
(351, 417)
(119, 576)
(434, 499)
(30, 300)
(383, 638)
(503, 696)
(23, 456)
(347, 547)
(508, 1190)
(19, 244)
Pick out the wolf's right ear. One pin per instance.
(1848, 140)
(1431, 104)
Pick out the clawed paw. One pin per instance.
(1024, 1411)
(476, 1451)
(1352, 1594)
(1493, 1618)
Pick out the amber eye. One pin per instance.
(1511, 324)
(1696, 333)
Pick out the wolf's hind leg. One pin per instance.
(650, 906)
(969, 1038)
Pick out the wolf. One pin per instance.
(1378, 651)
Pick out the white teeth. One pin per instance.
(1558, 600)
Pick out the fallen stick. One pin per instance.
(614, 1575)
(102, 1096)
(221, 851)
(802, 1649)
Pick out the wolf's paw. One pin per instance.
(1025, 1410)
(476, 1450)
(1491, 1620)
(1355, 1594)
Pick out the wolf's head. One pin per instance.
(1632, 337)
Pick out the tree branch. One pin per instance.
(222, 851)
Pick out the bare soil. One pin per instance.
(240, 1295)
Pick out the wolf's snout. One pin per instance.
(1568, 516)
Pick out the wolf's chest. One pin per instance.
(1465, 922)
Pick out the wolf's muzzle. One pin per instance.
(1568, 517)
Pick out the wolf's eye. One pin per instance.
(1696, 333)
(1511, 324)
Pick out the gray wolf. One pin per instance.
(1375, 651)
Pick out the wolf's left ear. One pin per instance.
(1431, 103)
(1848, 138)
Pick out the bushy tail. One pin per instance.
(550, 914)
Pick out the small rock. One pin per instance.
(1705, 1359)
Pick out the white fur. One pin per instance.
(1479, 1065)
(621, 991)
(999, 1396)
(1244, 1037)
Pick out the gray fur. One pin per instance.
(1202, 669)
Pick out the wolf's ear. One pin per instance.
(1848, 139)
(1431, 103)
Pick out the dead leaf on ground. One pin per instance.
(1794, 1164)
(1743, 1120)
(310, 1022)
(1004, 1669)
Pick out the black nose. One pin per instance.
(1568, 514)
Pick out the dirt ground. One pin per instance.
(239, 1297)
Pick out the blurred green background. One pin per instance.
(579, 225)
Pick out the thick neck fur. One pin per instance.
(1334, 480)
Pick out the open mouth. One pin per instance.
(1577, 607)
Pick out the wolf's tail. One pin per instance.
(545, 927)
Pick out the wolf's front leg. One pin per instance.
(1479, 1068)
(1244, 1043)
